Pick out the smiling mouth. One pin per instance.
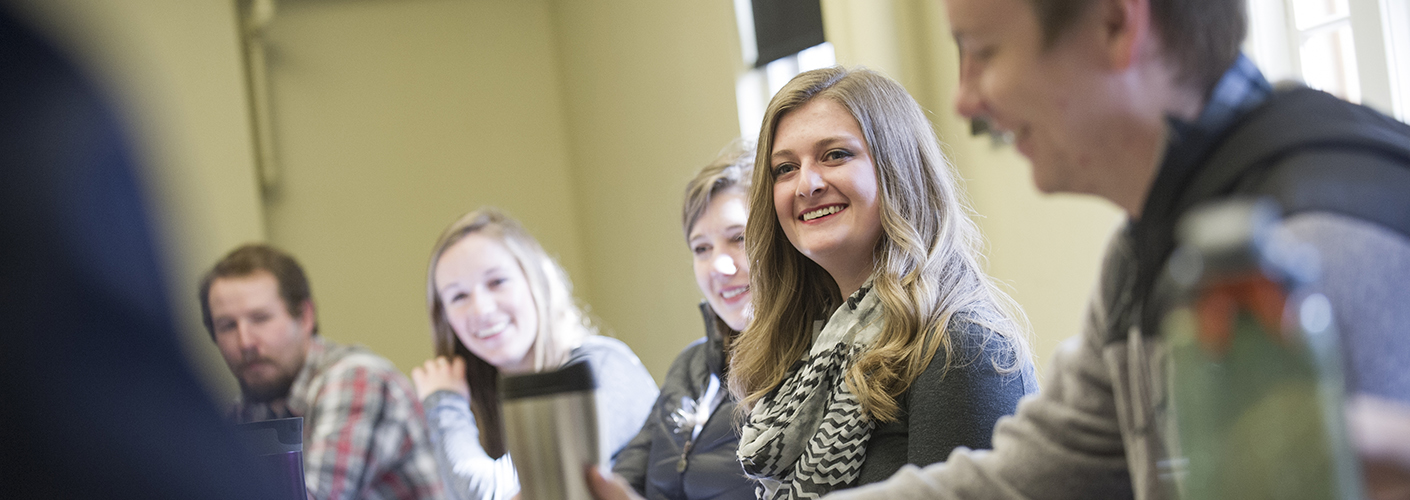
(493, 330)
(734, 292)
(821, 212)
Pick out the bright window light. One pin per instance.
(1358, 50)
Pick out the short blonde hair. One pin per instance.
(562, 326)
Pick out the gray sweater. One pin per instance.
(943, 410)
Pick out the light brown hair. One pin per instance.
(926, 262)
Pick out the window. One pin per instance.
(757, 86)
(1358, 50)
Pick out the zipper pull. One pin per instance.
(680, 465)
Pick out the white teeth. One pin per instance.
(492, 330)
(828, 210)
(734, 292)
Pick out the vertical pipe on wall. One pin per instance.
(255, 16)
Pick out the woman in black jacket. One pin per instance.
(687, 449)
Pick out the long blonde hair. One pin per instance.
(926, 263)
(562, 326)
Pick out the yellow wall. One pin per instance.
(392, 119)
(582, 119)
(649, 89)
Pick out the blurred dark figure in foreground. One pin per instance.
(97, 399)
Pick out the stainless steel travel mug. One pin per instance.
(550, 420)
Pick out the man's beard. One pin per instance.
(267, 391)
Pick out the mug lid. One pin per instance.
(573, 377)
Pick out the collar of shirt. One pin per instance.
(1239, 91)
(299, 398)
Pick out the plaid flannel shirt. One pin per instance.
(364, 429)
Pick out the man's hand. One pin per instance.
(1380, 430)
(604, 488)
(440, 374)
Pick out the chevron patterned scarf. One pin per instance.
(809, 436)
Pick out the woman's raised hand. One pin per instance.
(440, 374)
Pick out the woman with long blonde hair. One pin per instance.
(499, 304)
(877, 339)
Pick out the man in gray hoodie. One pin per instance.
(1150, 105)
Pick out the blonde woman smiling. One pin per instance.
(877, 340)
(499, 304)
